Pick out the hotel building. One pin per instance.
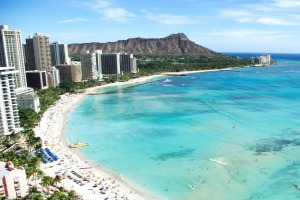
(265, 59)
(53, 77)
(9, 120)
(116, 63)
(39, 57)
(36, 79)
(59, 54)
(69, 72)
(96, 65)
(13, 182)
(89, 66)
(27, 99)
(38, 53)
(11, 54)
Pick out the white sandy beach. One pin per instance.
(102, 183)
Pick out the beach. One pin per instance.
(99, 182)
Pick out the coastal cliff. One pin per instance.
(172, 44)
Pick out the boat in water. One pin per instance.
(78, 145)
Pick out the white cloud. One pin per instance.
(238, 15)
(275, 21)
(274, 12)
(250, 34)
(72, 20)
(99, 4)
(117, 14)
(109, 11)
(241, 33)
(249, 40)
(287, 3)
(169, 19)
(242, 16)
(106, 9)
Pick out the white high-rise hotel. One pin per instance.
(11, 53)
(8, 102)
(12, 76)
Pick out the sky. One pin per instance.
(266, 26)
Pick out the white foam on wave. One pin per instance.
(191, 187)
(167, 80)
(220, 160)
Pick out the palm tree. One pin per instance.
(28, 133)
(32, 165)
(34, 196)
(33, 142)
(33, 189)
(14, 137)
(72, 195)
(57, 179)
(58, 195)
(37, 174)
(46, 182)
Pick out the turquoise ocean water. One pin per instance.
(162, 135)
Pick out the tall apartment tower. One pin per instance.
(89, 67)
(128, 63)
(11, 54)
(59, 54)
(9, 116)
(38, 53)
(116, 63)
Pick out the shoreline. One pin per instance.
(52, 131)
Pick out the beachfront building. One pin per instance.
(38, 57)
(116, 63)
(36, 79)
(128, 63)
(13, 182)
(38, 53)
(9, 116)
(12, 58)
(11, 54)
(265, 59)
(89, 67)
(110, 64)
(59, 54)
(53, 77)
(26, 98)
(96, 65)
(69, 72)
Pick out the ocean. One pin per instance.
(215, 135)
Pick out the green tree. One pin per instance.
(46, 182)
(28, 117)
(57, 179)
(34, 194)
(37, 173)
(72, 195)
(58, 195)
(68, 86)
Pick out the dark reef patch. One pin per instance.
(174, 155)
(287, 137)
